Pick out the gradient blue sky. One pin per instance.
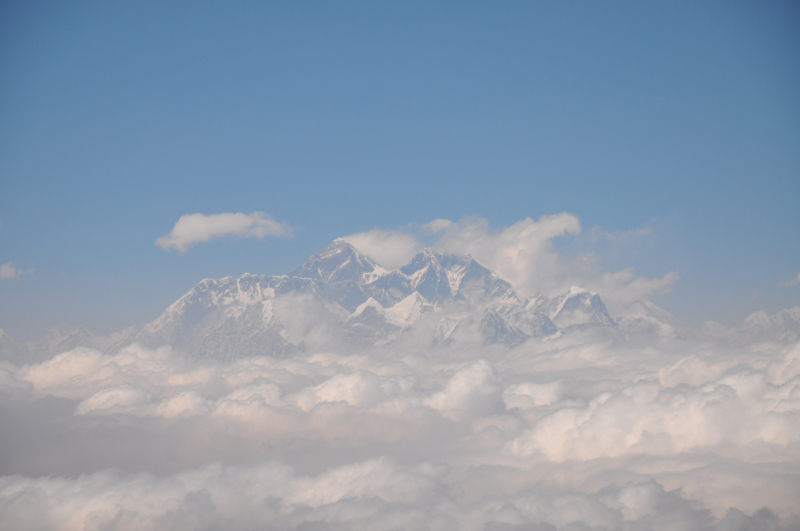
(118, 118)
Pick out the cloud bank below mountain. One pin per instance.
(566, 432)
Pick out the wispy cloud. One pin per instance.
(197, 228)
(793, 282)
(8, 271)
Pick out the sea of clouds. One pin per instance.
(574, 432)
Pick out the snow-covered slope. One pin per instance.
(226, 318)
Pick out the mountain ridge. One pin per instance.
(340, 297)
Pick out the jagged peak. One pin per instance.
(425, 253)
(428, 251)
(335, 256)
(337, 246)
(424, 257)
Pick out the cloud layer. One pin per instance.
(197, 228)
(566, 433)
(373, 494)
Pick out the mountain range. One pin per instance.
(342, 298)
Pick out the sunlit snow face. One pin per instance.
(566, 432)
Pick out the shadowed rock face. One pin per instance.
(342, 298)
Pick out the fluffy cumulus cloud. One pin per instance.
(740, 408)
(192, 229)
(522, 253)
(569, 433)
(373, 494)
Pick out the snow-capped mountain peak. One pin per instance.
(338, 262)
(340, 294)
(576, 307)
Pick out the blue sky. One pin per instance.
(335, 118)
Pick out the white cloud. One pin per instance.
(8, 271)
(529, 395)
(371, 494)
(522, 253)
(196, 228)
(120, 399)
(391, 249)
(610, 433)
(793, 282)
(437, 225)
(472, 390)
(643, 418)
